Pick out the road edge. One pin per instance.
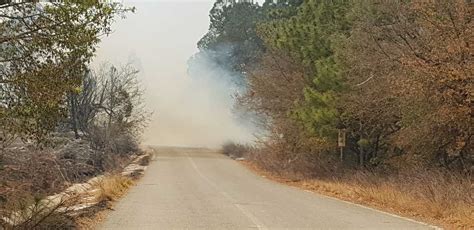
(253, 168)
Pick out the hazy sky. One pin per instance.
(159, 39)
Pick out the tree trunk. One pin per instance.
(361, 157)
(73, 109)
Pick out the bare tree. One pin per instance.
(108, 106)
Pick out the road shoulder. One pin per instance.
(342, 192)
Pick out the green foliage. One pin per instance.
(309, 36)
(363, 143)
(397, 75)
(232, 33)
(44, 51)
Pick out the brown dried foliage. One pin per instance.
(418, 59)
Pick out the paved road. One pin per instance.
(201, 189)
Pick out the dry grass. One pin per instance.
(43, 214)
(441, 199)
(105, 192)
(112, 188)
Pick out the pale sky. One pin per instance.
(159, 39)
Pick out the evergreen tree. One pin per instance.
(310, 36)
(232, 33)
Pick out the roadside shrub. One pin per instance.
(112, 140)
(435, 194)
(112, 187)
(235, 150)
(29, 174)
(38, 213)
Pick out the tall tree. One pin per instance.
(44, 51)
(232, 34)
(418, 53)
(308, 36)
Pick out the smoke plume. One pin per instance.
(191, 96)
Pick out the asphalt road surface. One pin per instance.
(187, 188)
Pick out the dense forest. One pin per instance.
(394, 77)
(397, 77)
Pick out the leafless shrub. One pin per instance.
(283, 157)
(40, 213)
(235, 150)
(31, 172)
(28, 174)
(109, 110)
(114, 142)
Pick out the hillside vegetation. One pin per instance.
(61, 122)
(395, 76)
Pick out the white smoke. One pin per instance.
(192, 105)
